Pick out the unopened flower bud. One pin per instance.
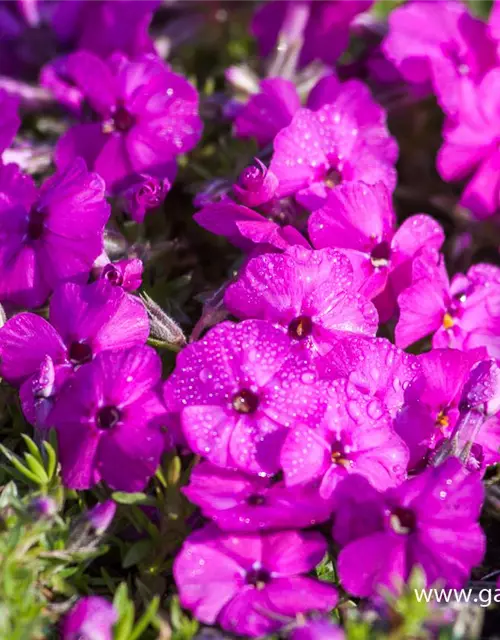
(162, 326)
(91, 618)
(44, 380)
(145, 194)
(256, 185)
(43, 507)
(101, 516)
(482, 389)
(124, 273)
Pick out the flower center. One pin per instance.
(403, 520)
(301, 327)
(245, 401)
(108, 417)
(258, 578)
(256, 500)
(333, 178)
(448, 321)
(36, 223)
(79, 353)
(123, 120)
(339, 456)
(442, 420)
(381, 254)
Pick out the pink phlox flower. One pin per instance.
(239, 502)
(355, 436)
(143, 116)
(359, 219)
(239, 390)
(346, 140)
(429, 521)
(310, 294)
(259, 578)
(48, 235)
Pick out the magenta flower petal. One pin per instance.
(50, 238)
(148, 116)
(254, 580)
(25, 340)
(309, 293)
(268, 111)
(111, 406)
(91, 617)
(239, 502)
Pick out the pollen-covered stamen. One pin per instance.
(381, 254)
(403, 520)
(245, 401)
(448, 321)
(339, 455)
(442, 420)
(300, 327)
(258, 578)
(333, 178)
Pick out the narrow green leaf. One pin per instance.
(33, 449)
(125, 624)
(137, 552)
(121, 598)
(51, 459)
(131, 498)
(37, 468)
(145, 620)
(18, 465)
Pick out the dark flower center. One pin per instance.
(245, 401)
(301, 327)
(108, 417)
(256, 500)
(381, 254)
(36, 223)
(338, 454)
(123, 120)
(112, 275)
(79, 353)
(333, 178)
(258, 578)
(403, 520)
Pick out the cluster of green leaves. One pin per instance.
(49, 559)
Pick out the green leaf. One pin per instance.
(125, 623)
(120, 600)
(145, 620)
(33, 449)
(51, 459)
(37, 468)
(18, 465)
(137, 552)
(132, 498)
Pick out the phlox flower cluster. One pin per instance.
(344, 410)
